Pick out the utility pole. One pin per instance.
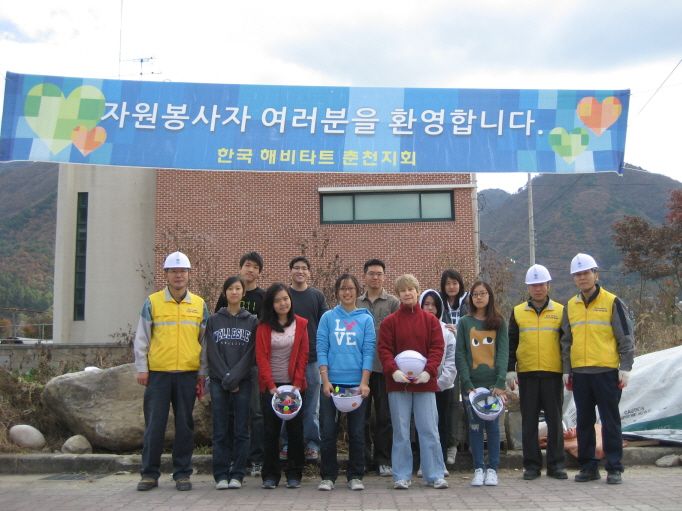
(531, 224)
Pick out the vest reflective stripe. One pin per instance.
(594, 344)
(539, 348)
(175, 343)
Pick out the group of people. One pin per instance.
(258, 341)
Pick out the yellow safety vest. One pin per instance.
(539, 348)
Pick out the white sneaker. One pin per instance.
(419, 472)
(439, 484)
(222, 485)
(356, 485)
(326, 485)
(385, 471)
(452, 456)
(256, 469)
(490, 477)
(478, 477)
(446, 473)
(235, 484)
(401, 484)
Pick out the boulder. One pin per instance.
(26, 436)
(77, 444)
(106, 408)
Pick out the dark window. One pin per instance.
(81, 248)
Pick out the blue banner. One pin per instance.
(318, 129)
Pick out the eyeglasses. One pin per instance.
(300, 268)
(375, 273)
(347, 288)
(481, 294)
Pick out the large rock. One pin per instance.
(27, 436)
(106, 408)
(77, 444)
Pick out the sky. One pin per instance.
(499, 44)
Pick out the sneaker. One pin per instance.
(269, 484)
(586, 475)
(557, 473)
(446, 473)
(326, 485)
(401, 484)
(310, 454)
(235, 484)
(452, 456)
(293, 483)
(147, 484)
(183, 484)
(490, 477)
(439, 484)
(478, 477)
(256, 469)
(419, 472)
(385, 471)
(613, 477)
(530, 474)
(283, 455)
(222, 485)
(356, 485)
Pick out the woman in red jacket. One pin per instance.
(282, 355)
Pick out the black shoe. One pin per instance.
(183, 484)
(529, 475)
(614, 477)
(585, 476)
(147, 484)
(557, 473)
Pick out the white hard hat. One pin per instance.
(582, 262)
(287, 403)
(346, 399)
(485, 404)
(177, 260)
(411, 362)
(537, 274)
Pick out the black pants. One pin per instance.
(383, 430)
(272, 426)
(541, 393)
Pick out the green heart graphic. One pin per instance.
(54, 117)
(569, 146)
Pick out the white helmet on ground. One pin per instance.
(177, 260)
(583, 262)
(537, 274)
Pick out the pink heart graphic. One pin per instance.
(598, 117)
(88, 140)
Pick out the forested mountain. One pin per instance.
(572, 213)
(28, 210)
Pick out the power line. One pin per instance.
(659, 87)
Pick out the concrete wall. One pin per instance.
(120, 243)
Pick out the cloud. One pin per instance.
(11, 32)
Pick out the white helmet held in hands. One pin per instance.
(485, 404)
(583, 262)
(177, 260)
(537, 274)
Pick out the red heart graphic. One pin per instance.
(88, 140)
(598, 117)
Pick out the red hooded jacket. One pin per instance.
(297, 362)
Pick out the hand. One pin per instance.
(400, 377)
(296, 388)
(200, 390)
(500, 393)
(274, 390)
(623, 378)
(423, 377)
(327, 388)
(512, 380)
(568, 382)
(364, 390)
(452, 328)
(235, 390)
(143, 379)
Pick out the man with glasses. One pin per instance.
(167, 358)
(381, 305)
(309, 303)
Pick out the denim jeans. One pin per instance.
(230, 450)
(273, 426)
(492, 429)
(163, 390)
(329, 467)
(423, 405)
(311, 409)
(255, 453)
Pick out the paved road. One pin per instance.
(643, 488)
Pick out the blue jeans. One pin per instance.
(224, 455)
(163, 390)
(423, 405)
(255, 454)
(310, 411)
(492, 429)
(329, 468)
